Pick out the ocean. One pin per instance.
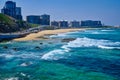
(80, 55)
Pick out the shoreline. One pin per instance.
(40, 34)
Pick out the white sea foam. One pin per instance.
(25, 56)
(8, 56)
(106, 30)
(87, 42)
(106, 47)
(58, 35)
(9, 42)
(80, 42)
(30, 55)
(12, 78)
(23, 74)
(55, 54)
(95, 33)
(52, 36)
(52, 55)
(73, 32)
(26, 64)
(23, 64)
(66, 49)
(62, 35)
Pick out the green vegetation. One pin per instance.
(6, 19)
(33, 25)
(9, 24)
(49, 28)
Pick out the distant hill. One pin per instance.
(9, 24)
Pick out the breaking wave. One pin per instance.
(106, 47)
(12, 78)
(87, 42)
(52, 55)
(55, 54)
(106, 30)
(80, 42)
(58, 35)
(24, 56)
(95, 33)
(8, 56)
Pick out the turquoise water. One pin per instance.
(93, 55)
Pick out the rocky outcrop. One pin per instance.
(68, 39)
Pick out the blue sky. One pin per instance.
(108, 11)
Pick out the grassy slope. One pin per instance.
(6, 19)
(9, 24)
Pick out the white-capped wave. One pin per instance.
(106, 47)
(8, 56)
(30, 55)
(52, 36)
(23, 74)
(66, 49)
(56, 54)
(9, 42)
(26, 64)
(59, 35)
(95, 33)
(106, 30)
(87, 42)
(62, 35)
(12, 78)
(73, 32)
(24, 56)
(53, 55)
(80, 42)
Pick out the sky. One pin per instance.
(108, 11)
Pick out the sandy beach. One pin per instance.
(36, 36)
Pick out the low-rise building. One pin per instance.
(63, 24)
(90, 23)
(75, 24)
(39, 19)
(55, 23)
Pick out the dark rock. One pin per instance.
(15, 49)
(37, 47)
(43, 37)
(68, 39)
(5, 47)
(41, 43)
